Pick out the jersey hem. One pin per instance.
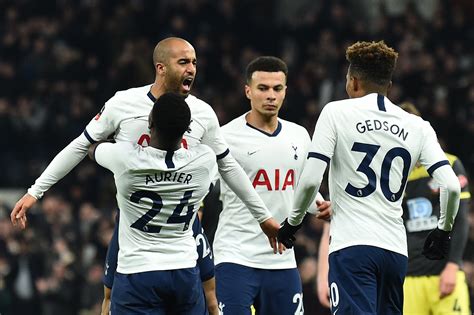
(157, 267)
(390, 248)
(256, 265)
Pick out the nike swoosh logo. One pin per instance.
(252, 152)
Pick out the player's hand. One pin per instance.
(18, 215)
(106, 301)
(270, 227)
(437, 244)
(286, 234)
(213, 309)
(447, 279)
(325, 210)
(323, 291)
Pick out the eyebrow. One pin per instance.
(187, 59)
(266, 85)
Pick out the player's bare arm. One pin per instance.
(106, 301)
(209, 287)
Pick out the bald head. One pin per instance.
(167, 47)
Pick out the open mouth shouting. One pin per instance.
(187, 84)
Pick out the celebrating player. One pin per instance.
(372, 145)
(159, 190)
(125, 115)
(272, 152)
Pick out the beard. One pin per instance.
(174, 84)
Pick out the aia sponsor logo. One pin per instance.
(274, 180)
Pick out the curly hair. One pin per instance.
(372, 61)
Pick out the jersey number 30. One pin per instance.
(176, 217)
(370, 151)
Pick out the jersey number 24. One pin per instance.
(142, 223)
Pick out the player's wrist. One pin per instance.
(450, 265)
(33, 193)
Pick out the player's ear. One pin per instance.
(355, 84)
(389, 86)
(160, 68)
(247, 91)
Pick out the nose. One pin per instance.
(271, 95)
(191, 68)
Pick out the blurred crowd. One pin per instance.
(61, 60)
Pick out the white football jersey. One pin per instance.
(371, 145)
(158, 194)
(273, 163)
(125, 115)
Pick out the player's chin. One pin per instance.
(185, 91)
(270, 112)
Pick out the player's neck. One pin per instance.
(157, 89)
(164, 145)
(264, 123)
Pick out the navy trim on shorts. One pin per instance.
(153, 99)
(320, 156)
(437, 165)
(169, 159)
(381, 102)
(274, 134)
(92, 141)
(223, 155)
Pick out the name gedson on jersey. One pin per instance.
(168, 177)
(377, 125)
(262, 179)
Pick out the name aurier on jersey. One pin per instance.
(168, 177)
(377, 125)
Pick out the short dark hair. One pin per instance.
(266, 64)
(171, 115)
(372, 61)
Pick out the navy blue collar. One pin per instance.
(274, 134)
(381, 102)
(153, 99)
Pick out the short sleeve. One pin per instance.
(324, 137)
(431, 154)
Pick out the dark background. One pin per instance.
(61, 60)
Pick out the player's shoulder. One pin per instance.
(122, 152)
(200, 110)
(131, 93)
(292, 127)
(202, 154)
(202, 149)
(235, 124)
(125, 148)
(339, 106)
(196, 103)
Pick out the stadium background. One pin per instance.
(61, 60)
